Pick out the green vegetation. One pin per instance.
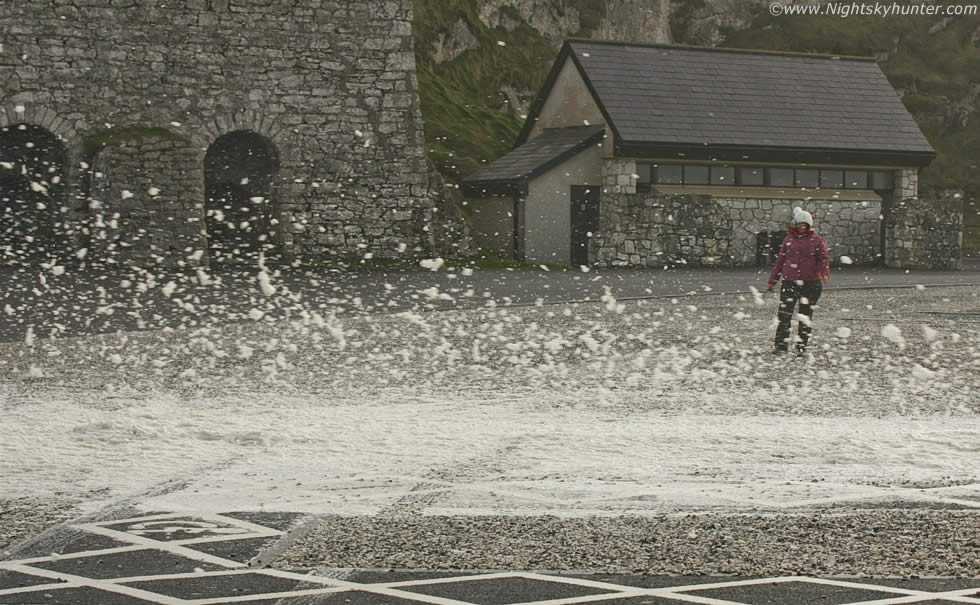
(468, 123)
(127, 134)
(467, 120)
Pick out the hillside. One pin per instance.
(482, 61)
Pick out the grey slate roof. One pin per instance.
(546, 150)
(664, 95)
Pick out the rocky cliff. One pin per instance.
(482, 61)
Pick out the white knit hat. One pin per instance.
(802, 216)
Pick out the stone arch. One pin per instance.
(27, 113)
(767, 245)
(241, 173)
(213, 129)
(34, 169)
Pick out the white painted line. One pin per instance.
(289, 575)
(254, 527)
(372, 588)
(75, 555)
(276, 573)
(101, 585)
(38, 588)
(182, 576)
(576, 581)
(251, 530)
(430, 581)
(595, 598)
(160, 517)
(917, 599)
(271, 595)
(187, 553)
(732, 583)
(863, 585)
(908, 595)
(963, 593)
(690, 598)
(227, 538)
(410, 596)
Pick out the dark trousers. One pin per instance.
(806, 294)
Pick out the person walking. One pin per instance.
(804, 265)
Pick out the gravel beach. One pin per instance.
(860, 542)
(24, 518)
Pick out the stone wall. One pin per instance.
(925, 233)
(652, 230)
(906, 183)
(450, 233)
(143, 204)
(619, 175)
(330, 83)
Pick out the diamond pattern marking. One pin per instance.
(793, 592)
(504, 591)
(166, 571)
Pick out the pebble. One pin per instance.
(24, 518)
(859, 542)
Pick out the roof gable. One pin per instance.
(727, 99)
(564, 56)
(511, 172)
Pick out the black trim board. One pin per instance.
(516, 235)
(595, 96)
(727, 49)
(560, 158)
(545, 93)
(794, 155)
(519, 185)
(542, 97)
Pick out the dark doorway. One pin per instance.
(240, 170)
(32, 193)
(585, 221)
(767, 244)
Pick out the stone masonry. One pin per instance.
(906, 184)
(144, 203)
(619, 175)
(331, 84)
(925, 233)
(652, 230)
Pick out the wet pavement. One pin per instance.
(212, 559)
(78, 303)
(132, 556)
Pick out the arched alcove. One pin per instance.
(767, 245)
(33, 168)
(240, 170)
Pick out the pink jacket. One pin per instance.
(802, 257)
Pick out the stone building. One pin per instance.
(194, 131)
(645, 155)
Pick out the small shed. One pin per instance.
(533, 203)
(634, 152)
